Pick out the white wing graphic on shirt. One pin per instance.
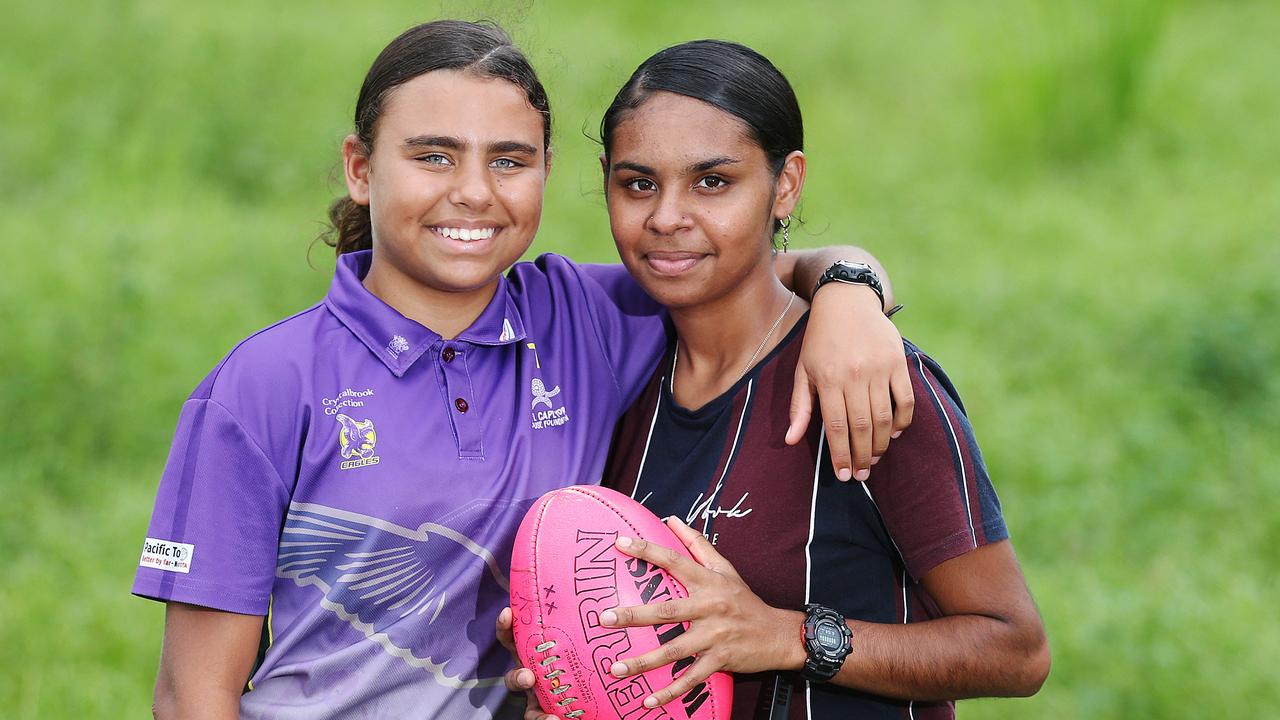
(412, 591)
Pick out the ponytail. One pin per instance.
(351, 228)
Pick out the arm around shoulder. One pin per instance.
(205, 662)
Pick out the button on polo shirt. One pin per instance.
(361, 478)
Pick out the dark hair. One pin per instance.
(729, 76)
(480, 48)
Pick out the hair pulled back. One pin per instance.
(729, 76)
(480, 48)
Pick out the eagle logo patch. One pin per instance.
(356, 440)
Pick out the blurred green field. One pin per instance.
(1078, 202)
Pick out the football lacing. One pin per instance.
(555, 673)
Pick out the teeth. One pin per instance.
(465, 234)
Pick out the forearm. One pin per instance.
(800, 270)
(950, 658)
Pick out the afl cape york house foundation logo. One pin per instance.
(544, 412)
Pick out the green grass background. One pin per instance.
(1077, 201)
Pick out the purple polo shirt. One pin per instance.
(358, 480)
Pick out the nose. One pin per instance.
(668, 216)
(473, 186)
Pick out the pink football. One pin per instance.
(565, 571)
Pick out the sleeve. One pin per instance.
(215, 527)
(632, 326)
(931, 488)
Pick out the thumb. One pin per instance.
(801, 406)
(700, 548)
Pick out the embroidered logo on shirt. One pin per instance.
(552, 416)
(356, 439)
(397, 345)
(166, 555)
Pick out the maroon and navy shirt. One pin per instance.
(358, 480)
(792, 530)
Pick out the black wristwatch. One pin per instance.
(827, 642)
(854, 273)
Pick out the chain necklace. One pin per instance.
(764, 341)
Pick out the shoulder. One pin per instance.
(930, 382)
(267, 364)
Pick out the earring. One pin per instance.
(786, 231)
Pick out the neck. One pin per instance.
(716, 340)
(445, 313)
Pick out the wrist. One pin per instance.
(791, 653)
(848, 295)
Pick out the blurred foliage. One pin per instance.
(1078, 203)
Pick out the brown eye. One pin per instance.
(712, 182)
(641, 185)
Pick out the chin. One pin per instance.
(675, 295)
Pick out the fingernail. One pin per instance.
(608, 617)
(895, 434)
(875, 460)
(618, 669)
(651, 702)
(624, 542)
(862, 475)
(844, 474)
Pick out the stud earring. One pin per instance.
(786, 231)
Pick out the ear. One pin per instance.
(546, 168)
(355, 167)
(604, 168)
(790, 185)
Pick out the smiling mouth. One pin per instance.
(672, 263)
(464, 234)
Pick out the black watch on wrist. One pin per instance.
(827, 642)
(853, 273)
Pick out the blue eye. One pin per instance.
(435, 159)
(505, 164)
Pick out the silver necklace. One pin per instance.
(763, 341)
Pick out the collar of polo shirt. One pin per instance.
(399, 341)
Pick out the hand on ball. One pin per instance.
(730, 627)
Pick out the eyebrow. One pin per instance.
(698, 167)
(453, 143)
(714, 162)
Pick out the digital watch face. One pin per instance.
(829, 636)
